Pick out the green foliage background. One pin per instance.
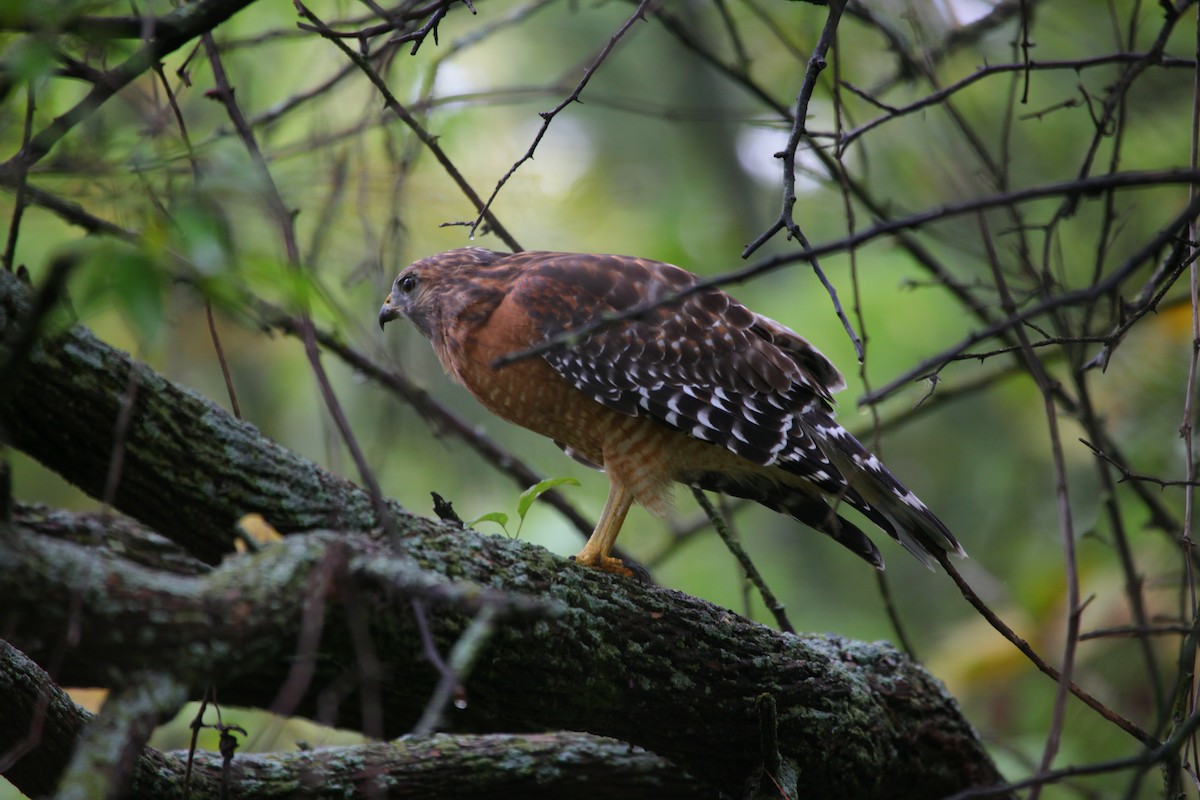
(666, 157)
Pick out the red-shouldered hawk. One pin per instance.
(702, 391)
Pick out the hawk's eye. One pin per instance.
(407, 284)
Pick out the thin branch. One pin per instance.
(734, 546)
(799, 115)
(1187, 434)
(366, 655)
(988, 70)
(1087, 186)
(317, 592)
(1129, 475)
(961, 37)
(22, 179)
(1110, 501)
(408, 119)
(638, 15)
(1066, 523)
(1098, 289)
(999, 625)
(1151, 757)
(283, 217)
(171, 32)
(434, 11)
(786, 220)
(1114, 96)
(462, 657)
(116, 458)
(1177, 629)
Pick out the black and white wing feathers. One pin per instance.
(708, 366)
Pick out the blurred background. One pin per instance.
(671, 155)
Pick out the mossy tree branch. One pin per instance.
(577, 650)
(190, 470)
(547, 765)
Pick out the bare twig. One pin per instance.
(992, 619)
(1129, 475)
(786, 220)
(283, 217)
(21, 179)
(1187, 434)
(1115, 278)
(417, 128)
(304, 664)
(1155, 755)
(462, 657)
(989, 70)
(171, 32)
(734, 546)
(1066, 522)
(120, 431)
(1098, 289)
(638, 15)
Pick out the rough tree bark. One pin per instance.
(322, 624)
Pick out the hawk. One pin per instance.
(701, 390)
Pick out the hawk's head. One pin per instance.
(431, 287)
(404, 297)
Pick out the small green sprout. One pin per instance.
(524, 503)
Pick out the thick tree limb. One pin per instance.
(852, 716)
(545, 766)
(549, 765)
(39, 724)
(190, 470)
(852, 720)
(107, 753)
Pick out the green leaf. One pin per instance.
(138, 290)
(536, 491)
(280, 282)
(203, 235)
(33, 59)
(116, 275)
(539, 489)
(498, 517)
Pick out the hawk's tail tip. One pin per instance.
(924, 535)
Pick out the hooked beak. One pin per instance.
(388, 312)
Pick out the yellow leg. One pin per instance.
(595, 552)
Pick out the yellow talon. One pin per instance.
(593, 559)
